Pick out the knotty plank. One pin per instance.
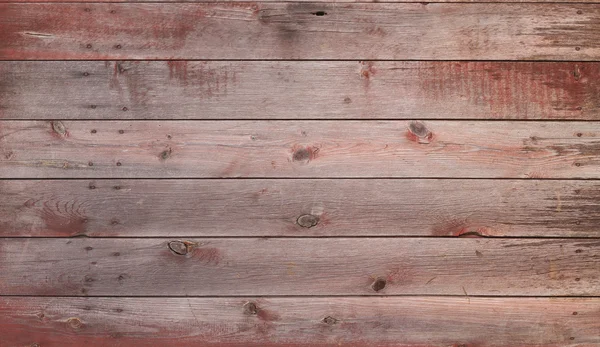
(289, 322)
(298, 90)
(299, 266)
(152, 149)
(299, 207)
(299, 30)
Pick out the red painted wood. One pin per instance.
(299, 208)
(299, 90)
(299, 266)
(307, 322)
(294, 31)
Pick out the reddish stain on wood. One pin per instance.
(207, 255)
(533, 90)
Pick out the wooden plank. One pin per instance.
(299, 208)
(152, 149)
(325, 1)
(290, 322)
(299, 90)
(300, 266)
(299, 30)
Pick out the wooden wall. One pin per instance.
(280, 174)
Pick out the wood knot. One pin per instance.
(166, 154)
(250, 308)
(329, 320)
(181, 247)
(74, 323)
(418, 132)
(379, 284)
(307, 220)
(59, 128)
(304, 154)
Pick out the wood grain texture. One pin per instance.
(315, 266)
(296, 31)
(153, 149)
(299, 90)
(294, 322)
(299, 208)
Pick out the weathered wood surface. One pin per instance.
(294, 322)
(153, 149)
(299, 207)
(298, 90)
(300, 266)
(300, 31)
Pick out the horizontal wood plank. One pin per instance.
(153, 149)
(294, 322)
(318, 1)
(300, 266)
(298, 90)
(299, 30)
(299, 207)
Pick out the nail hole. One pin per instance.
(118, 46)
(575, 313)
(89, 45)
(118, 163)
(117, 187)
(87, 9)
(379, 284)
(91, 186)
(125, 109)
(90, 164)
(121, 131)
(577, 48)
(577, 164)
(93, 106)
(93, 131)
(577, 279)
(86, 73)
(579, 134)
(320, 13)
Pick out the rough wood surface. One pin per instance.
(295, 322)
(153, 149)
(298, 90)
(300, 30)
(304, 266)
(299, 207)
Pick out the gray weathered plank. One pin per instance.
(300, 266)
(299, 30)
(295, 322)
(299, 207)
(153, 149)
(298, 90)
